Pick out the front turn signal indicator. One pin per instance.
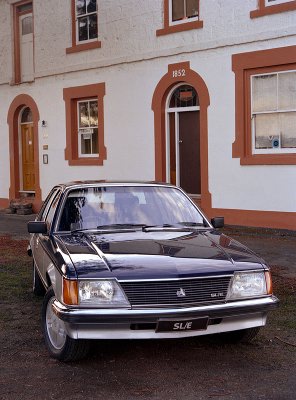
(70, 292)
(268, 282)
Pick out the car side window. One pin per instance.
(52, 208)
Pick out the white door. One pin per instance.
(26, 47)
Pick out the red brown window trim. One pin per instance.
(263, 10)
(16, 32)
(76, 47)
(71, 97)
(167, 28)
(244, 65)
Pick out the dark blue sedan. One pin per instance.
(140, 261)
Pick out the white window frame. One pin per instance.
(79, 133)
(278, 150)
(182, 21)
(77, 17)
(274, 2)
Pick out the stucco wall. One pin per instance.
(131, 62)
(127, 31)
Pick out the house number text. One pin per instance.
(179, 72)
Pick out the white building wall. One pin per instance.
(131, 62)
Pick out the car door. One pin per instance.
(38, 241)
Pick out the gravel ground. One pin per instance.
(204, 368)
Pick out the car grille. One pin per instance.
(180, 292)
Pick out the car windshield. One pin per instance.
(125, 206)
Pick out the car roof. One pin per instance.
(85, 183)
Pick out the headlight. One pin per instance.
(101, 293)
(247, 284)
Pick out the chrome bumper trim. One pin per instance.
(103, 316)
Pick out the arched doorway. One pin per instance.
(183, 139)
(23, 118)
(180, 75)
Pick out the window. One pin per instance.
(23, 42)
(274, 112)
(265, 98)
(267, 7)
(273, 2)
(44, 210)
(182, 10)
(85, 125)
(86, 20)
(180, 15)
(52, 209)
(84, 26)
(88, 127)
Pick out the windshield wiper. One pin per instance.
(164, 226)
(192, 224)
(82, 230)
(120, 226)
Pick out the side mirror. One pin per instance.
(37, 227)
(217, 222)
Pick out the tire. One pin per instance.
(58, 343)
(38, 288)
(241, 336)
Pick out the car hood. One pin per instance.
(157, 254)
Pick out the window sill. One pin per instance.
(87, 161)
(187, 26)
(83, 47)
(277, 8)
(269, 159)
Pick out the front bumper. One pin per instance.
(141, 323)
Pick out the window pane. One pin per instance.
(80, 7)
(93, 113)
(85, 144)
(177, 10)
(288, 129)
(82, 29)
(91, 6)
(27, 115)
(184, 96)
(27, 25)
(83, 114)
(287, 91)
(52, 209)
(264, 94)
(25, 7)
(191, 8)
(95, 144)
(93, 26)
(266, 129)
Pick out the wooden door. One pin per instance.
(189, 152)
(28, 157)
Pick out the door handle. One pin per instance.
(180, 141)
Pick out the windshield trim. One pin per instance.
(67, 190)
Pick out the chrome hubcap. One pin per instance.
(55, 327)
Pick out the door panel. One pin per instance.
(189, 152)
(28, 157)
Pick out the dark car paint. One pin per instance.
(148, 255)
(137, 254)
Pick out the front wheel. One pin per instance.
(58, 343)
